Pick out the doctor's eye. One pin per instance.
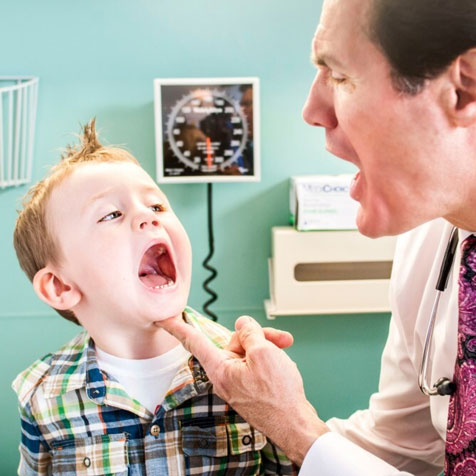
(157, 208)
(111, 216)
(333, 78)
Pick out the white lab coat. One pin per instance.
(402, 426)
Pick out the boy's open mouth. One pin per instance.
(157, 269)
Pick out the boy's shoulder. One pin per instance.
(217, 333)
(50, 370)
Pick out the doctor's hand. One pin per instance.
(280, 338)
(259, 381)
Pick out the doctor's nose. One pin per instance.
(319, 109)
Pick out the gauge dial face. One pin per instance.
(207, 130)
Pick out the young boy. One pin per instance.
(102, 246)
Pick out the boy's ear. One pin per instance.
(461, 98)
(52, 289)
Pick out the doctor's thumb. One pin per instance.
(244, 320)
(249, 332)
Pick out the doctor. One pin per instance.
(395, 91)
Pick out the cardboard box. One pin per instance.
(322, 202)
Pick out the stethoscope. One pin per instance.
(443, 386)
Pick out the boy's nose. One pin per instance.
(145, 219)
(145, 223)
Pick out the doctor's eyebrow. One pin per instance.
(325, 60)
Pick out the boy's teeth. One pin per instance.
(166, 285)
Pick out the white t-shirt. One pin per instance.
(146, 380)
(402, 426)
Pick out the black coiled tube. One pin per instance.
(213, 271)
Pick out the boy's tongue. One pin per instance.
(153, 280)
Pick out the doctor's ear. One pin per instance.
(53, 290)
(461, 101)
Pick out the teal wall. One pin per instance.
(98, 58)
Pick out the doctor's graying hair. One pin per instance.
(35, 242)
(421, 38)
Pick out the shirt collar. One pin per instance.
(463, 234)
(75, 366)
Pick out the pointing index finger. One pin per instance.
(209, 356)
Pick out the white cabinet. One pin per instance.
(328, 272)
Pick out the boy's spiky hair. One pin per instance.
(35, 242)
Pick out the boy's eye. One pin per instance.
(157, 208)
(111, 216)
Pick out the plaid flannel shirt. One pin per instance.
(77, 420)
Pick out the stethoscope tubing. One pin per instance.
(443, 386)
(422, 377)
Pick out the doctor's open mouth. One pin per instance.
(157, 269)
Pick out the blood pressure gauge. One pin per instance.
(207, 129)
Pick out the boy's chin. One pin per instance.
(163, 314)
(158, 322)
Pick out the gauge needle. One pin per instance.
(209, 152)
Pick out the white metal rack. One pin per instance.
(18, 105)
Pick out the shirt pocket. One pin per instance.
(233, 445)
(97, 455)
